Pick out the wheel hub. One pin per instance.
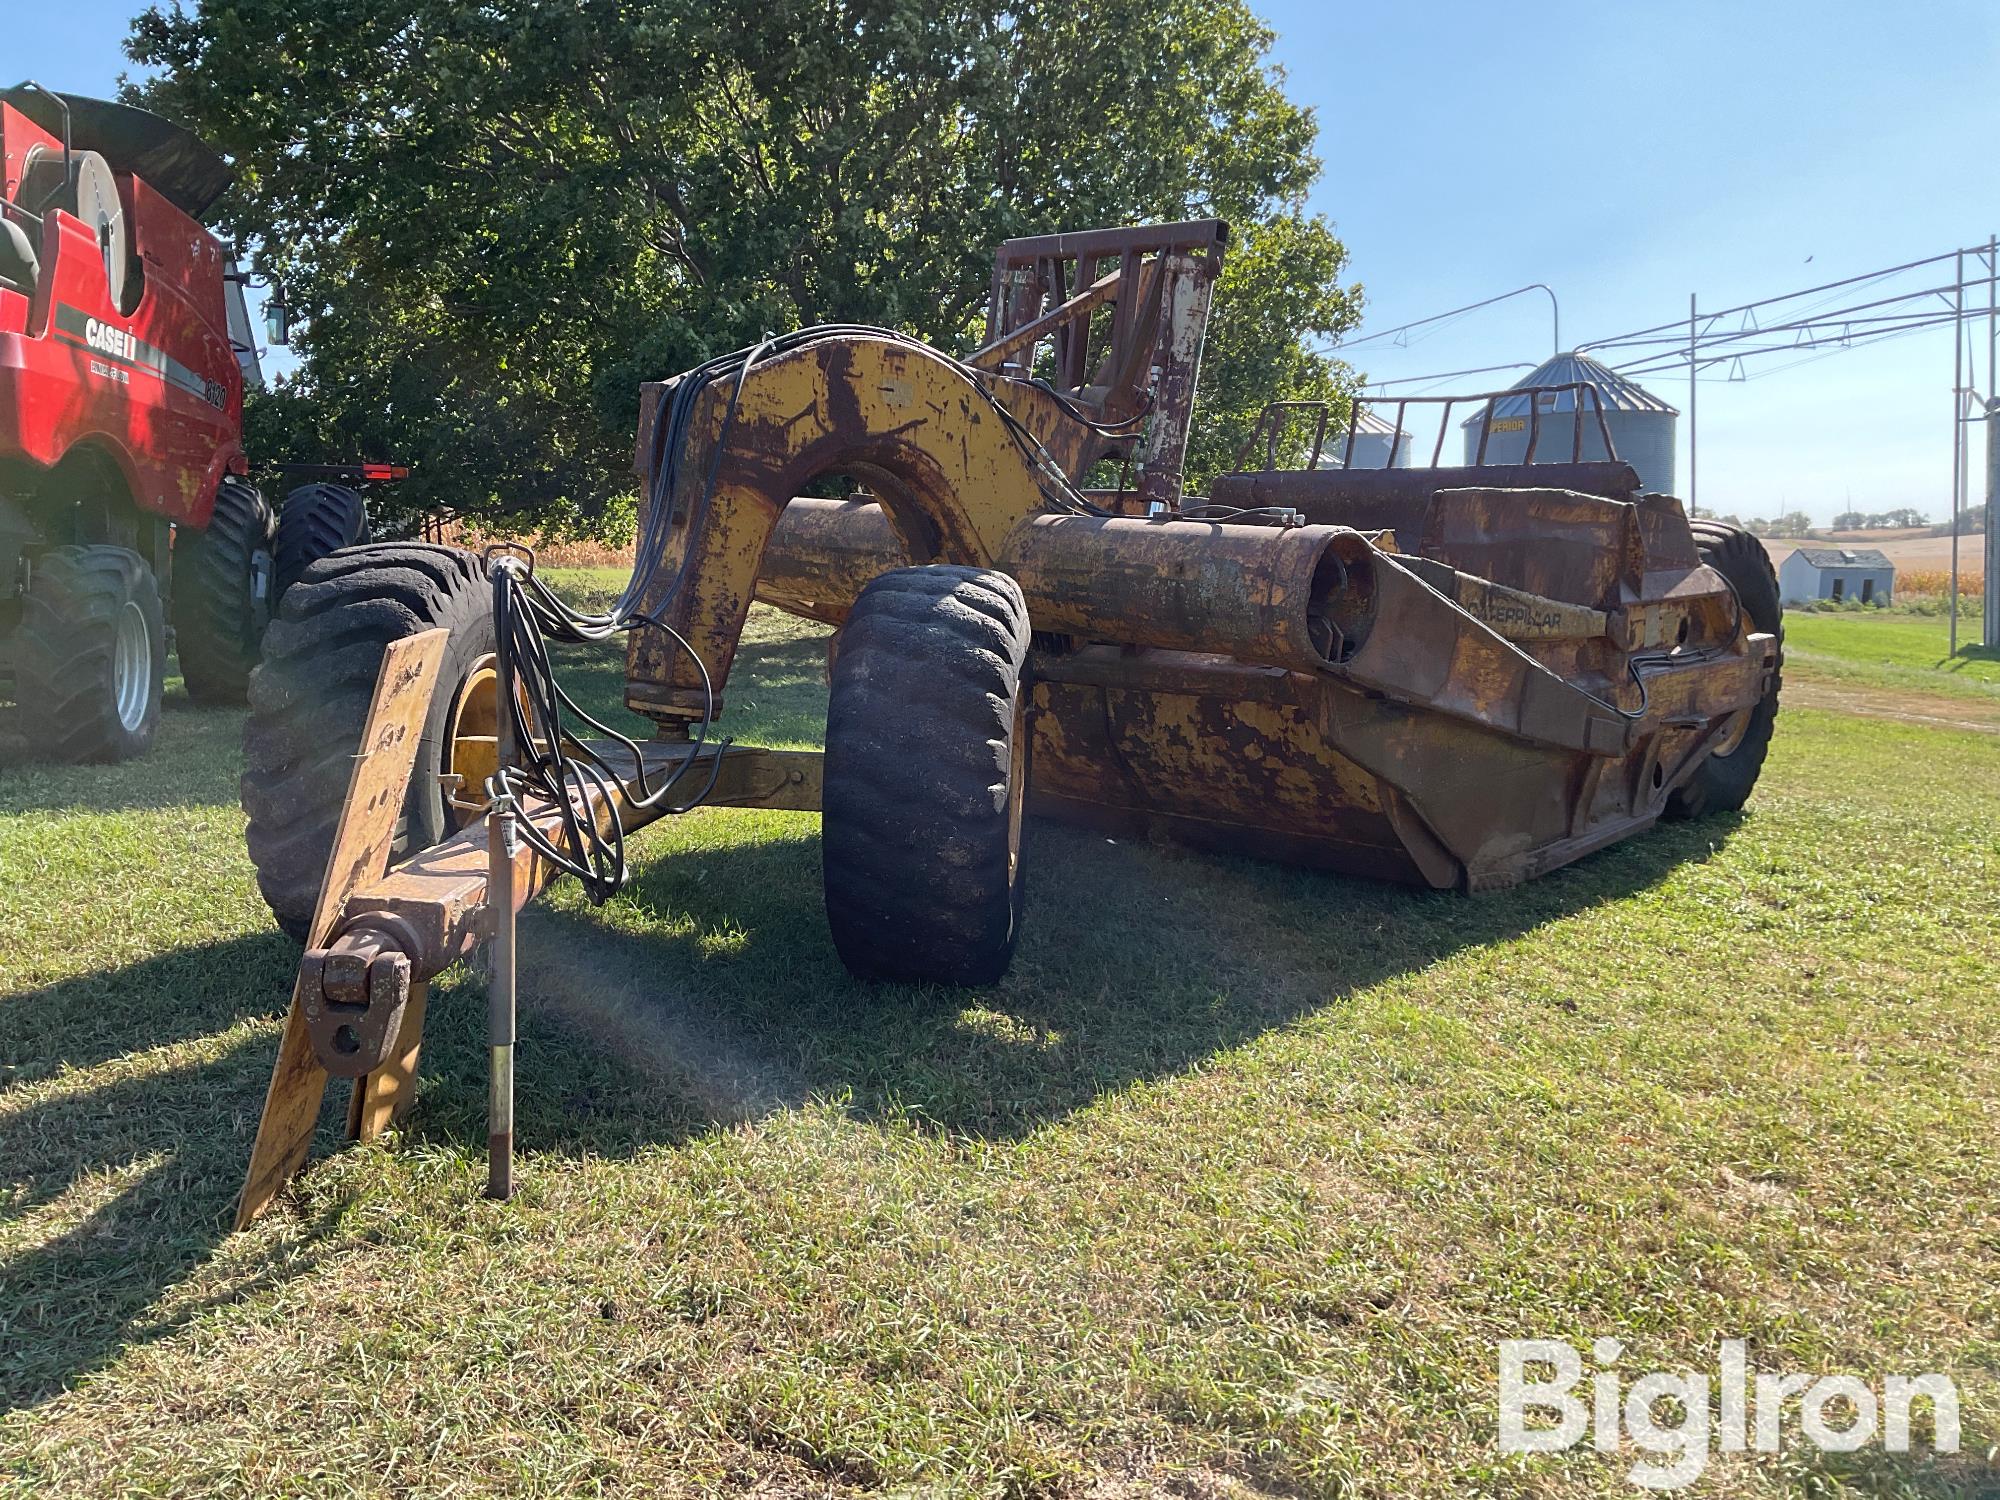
(132, 667)
(1734, 730)
(471, 749)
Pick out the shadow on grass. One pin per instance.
(113, 1193)
(776, 694)
(131, 1183)
(709, 993)
(171, 997)
(195, 762)
(777, 697)
(136, 1177)
(716, 973)
(1966, 656)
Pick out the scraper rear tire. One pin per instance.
(926, 769)
(1723, 782)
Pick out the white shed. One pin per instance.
(1859, 573)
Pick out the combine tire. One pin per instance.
(317, 521)
(1722, 783)
(90, 655)
(222, 595)
(310, 697)
(926, 768)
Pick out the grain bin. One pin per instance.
(1374, 439)
(1641, 424)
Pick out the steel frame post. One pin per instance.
(1957, 432)
(1693, 369)
(1991, 635)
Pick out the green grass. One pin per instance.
(586, 588)
(1230, 1188)
(1889, 650)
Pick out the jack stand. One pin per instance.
(503, 842)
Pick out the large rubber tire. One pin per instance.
(1723, 782)
(90, 655)
(309, 701)
(317, 521)
(222, 594)
(926, 768)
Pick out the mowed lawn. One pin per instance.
(1894, 650)
(1229, 1189)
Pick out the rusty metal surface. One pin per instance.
(355, 995)
(1255, 776)
(1464, 758)
(1454, 675)
(1562, 543)
(1455, 678)
(361, 843)
(1395, 499)
(1274, 423)
(952, 478)
(1143, 361)
(1312, 768)
(1518, 615)
(1189, 283)
(1022, 340)
(1425, 651)
(1479, 685)
(821, 555)
(430, 909)
(1261, 594)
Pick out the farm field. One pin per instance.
(1905, 549)
(1229, 1189)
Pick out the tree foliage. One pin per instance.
(496, 220)
(1905, 518)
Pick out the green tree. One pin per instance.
(496, 220)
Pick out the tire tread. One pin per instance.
(65, 647)
(310, 696)
(919, 886)
(1724, 784)
(317, 521)
(219, 625)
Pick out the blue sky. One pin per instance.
(1629, 154)
(1626, 154)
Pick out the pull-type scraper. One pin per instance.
(1452, 677)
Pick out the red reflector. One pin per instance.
(385, 471)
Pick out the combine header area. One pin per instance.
(1456, 678)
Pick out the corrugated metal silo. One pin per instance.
(1372, 438)
(1641, 424)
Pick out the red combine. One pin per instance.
(125, 506)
